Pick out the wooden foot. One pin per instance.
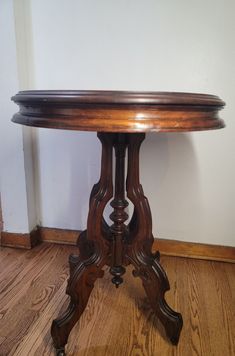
(60, 352)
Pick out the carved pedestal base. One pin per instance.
(119, 244)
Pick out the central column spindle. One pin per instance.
(119, 216)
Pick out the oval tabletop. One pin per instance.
(118, 111)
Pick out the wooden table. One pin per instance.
(121, 120)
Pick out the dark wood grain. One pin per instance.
(116, 111)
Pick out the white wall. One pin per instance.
(141, 45)
(12, 170)
(25, 63)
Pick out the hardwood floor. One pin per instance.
(116, 322)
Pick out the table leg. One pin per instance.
(94, 252)
(146, 264)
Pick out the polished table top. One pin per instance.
(118, 111)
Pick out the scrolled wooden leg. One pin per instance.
(155, 283)
(146, 263)
(79, 288)
(94, 251)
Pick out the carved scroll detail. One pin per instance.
(146, 264)
(87, 267)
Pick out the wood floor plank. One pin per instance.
(18, 267)
(37, 341)
(29, 293)
(116, 322)
(8, 255)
